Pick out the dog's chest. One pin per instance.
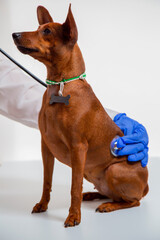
(53, 129)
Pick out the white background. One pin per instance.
(120, 42)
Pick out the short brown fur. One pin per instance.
(78, 135)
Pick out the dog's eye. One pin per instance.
(46, 31)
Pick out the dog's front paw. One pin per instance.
(39, 207)
(72, 220)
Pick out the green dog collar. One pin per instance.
(63, 81)
(51, 82)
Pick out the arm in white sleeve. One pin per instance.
(111, 113)
(20, 96)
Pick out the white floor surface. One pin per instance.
(21, 187)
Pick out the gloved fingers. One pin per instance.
(132, 138)
(141, 156)
(126, 140)
(144, 161)
(128, 131)
(120, 142)
(131, 149)
(136, 157)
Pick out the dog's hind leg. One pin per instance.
(112, 206)
(89, 196)
(127, 184)
(48, 164)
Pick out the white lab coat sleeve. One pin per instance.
(111, 113)
(20, 96)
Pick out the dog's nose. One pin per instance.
(16, 35)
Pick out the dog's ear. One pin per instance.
(43, 15)
(70, 32)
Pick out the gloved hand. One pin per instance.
(134, 143)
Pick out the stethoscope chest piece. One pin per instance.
(113, 146)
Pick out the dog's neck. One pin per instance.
(72, 65)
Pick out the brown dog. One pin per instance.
(78, 134)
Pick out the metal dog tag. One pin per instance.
(59, 99)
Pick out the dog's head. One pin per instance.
(51, 40)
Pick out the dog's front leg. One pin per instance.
(78, 158)
(48, 164)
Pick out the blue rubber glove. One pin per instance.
(134, 143)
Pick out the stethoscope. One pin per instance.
(24, 69)
(113, 146)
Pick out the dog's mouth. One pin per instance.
(26, 50)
